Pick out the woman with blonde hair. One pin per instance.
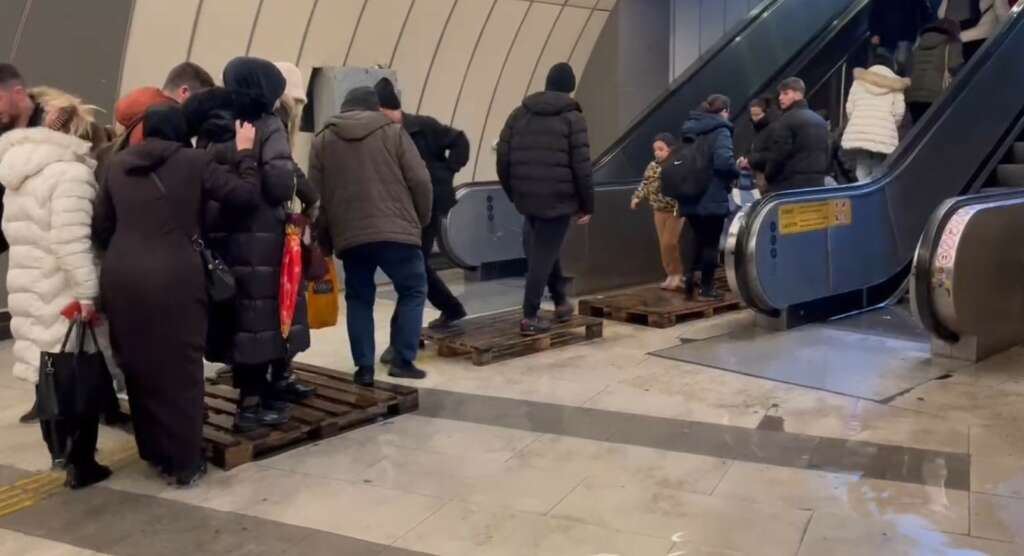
(47, 172)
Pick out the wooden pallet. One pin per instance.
(337, 406)
(655, 307)
(495, 337)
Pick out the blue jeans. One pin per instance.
(403, 264)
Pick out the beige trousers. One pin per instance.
(669, 226)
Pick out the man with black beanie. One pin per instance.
(544, 168)
(445, 151)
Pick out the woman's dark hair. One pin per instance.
(667, 138)
(946, 26)
(761, 103)
(715, 104)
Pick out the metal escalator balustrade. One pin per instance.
(813, 254)
(484, 227)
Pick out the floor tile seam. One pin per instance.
(803, 535)
(357, 482)
(555, 506)
(525, 447)
(439, 509)
(612, 528)
(722, 478)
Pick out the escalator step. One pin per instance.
(1018, 153)
(1010, 175)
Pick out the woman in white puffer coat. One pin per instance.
(48, 204)
(874, 110)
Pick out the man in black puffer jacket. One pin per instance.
(798, 154)
(544, 168)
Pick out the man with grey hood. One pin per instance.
(376, 198)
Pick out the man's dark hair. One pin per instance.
(761, 103)
(716, 104)
(10, 76)
(188, 74)
(793, 84)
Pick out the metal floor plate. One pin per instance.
(848, 357)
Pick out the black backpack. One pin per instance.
(686, 173)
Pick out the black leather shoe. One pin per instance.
(446, 321)
(363, 376)
(83, 475)
(711, 295)
(407, 371)
(190, 479)
(388, 357)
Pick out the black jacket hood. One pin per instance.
(702, 123)
(551, 103)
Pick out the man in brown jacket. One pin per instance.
(376, 198)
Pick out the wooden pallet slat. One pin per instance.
(337, 406)
(654, 307)
(491, 338)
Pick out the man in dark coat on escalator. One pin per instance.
(798, 154)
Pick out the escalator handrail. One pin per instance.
(784, 70)
(903, 154)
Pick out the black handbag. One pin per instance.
(73, 383)
(220, 282)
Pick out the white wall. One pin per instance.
(698, 24)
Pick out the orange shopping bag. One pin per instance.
(322, 299)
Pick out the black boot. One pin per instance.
(708, 292)
(252, 416)
(284, 386)
(364, 376)
(407, 370)
(86, 474)
(187, 479)
(388, 357)
(31, 416)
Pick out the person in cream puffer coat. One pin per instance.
(50, 187)
(875, 109)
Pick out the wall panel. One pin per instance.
(417, 45)
(585, 44)
(10, 20)
(559, 45)
(484, 71)
(279, 29)
(59, 47)
(222, 32)
(508, 94)
(453, 57)
(158, 40)
(377, 35)
(330, 33)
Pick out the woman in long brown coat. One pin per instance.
(153, 283)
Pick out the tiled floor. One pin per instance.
(594, 449)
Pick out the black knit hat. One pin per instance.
(387, 95)
(361, 98)
(561, 79)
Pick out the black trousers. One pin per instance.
(542, 243)
(72, 440)
(438, 293)
(699, 247)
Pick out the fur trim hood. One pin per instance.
(27, 152)
(880, 80)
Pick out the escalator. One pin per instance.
(813, 254)
(779, 38)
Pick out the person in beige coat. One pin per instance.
(875, 109)
(376, 197)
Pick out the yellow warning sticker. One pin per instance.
(810, 217)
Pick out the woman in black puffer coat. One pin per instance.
(246, 333)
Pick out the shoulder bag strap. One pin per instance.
(194, 239)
